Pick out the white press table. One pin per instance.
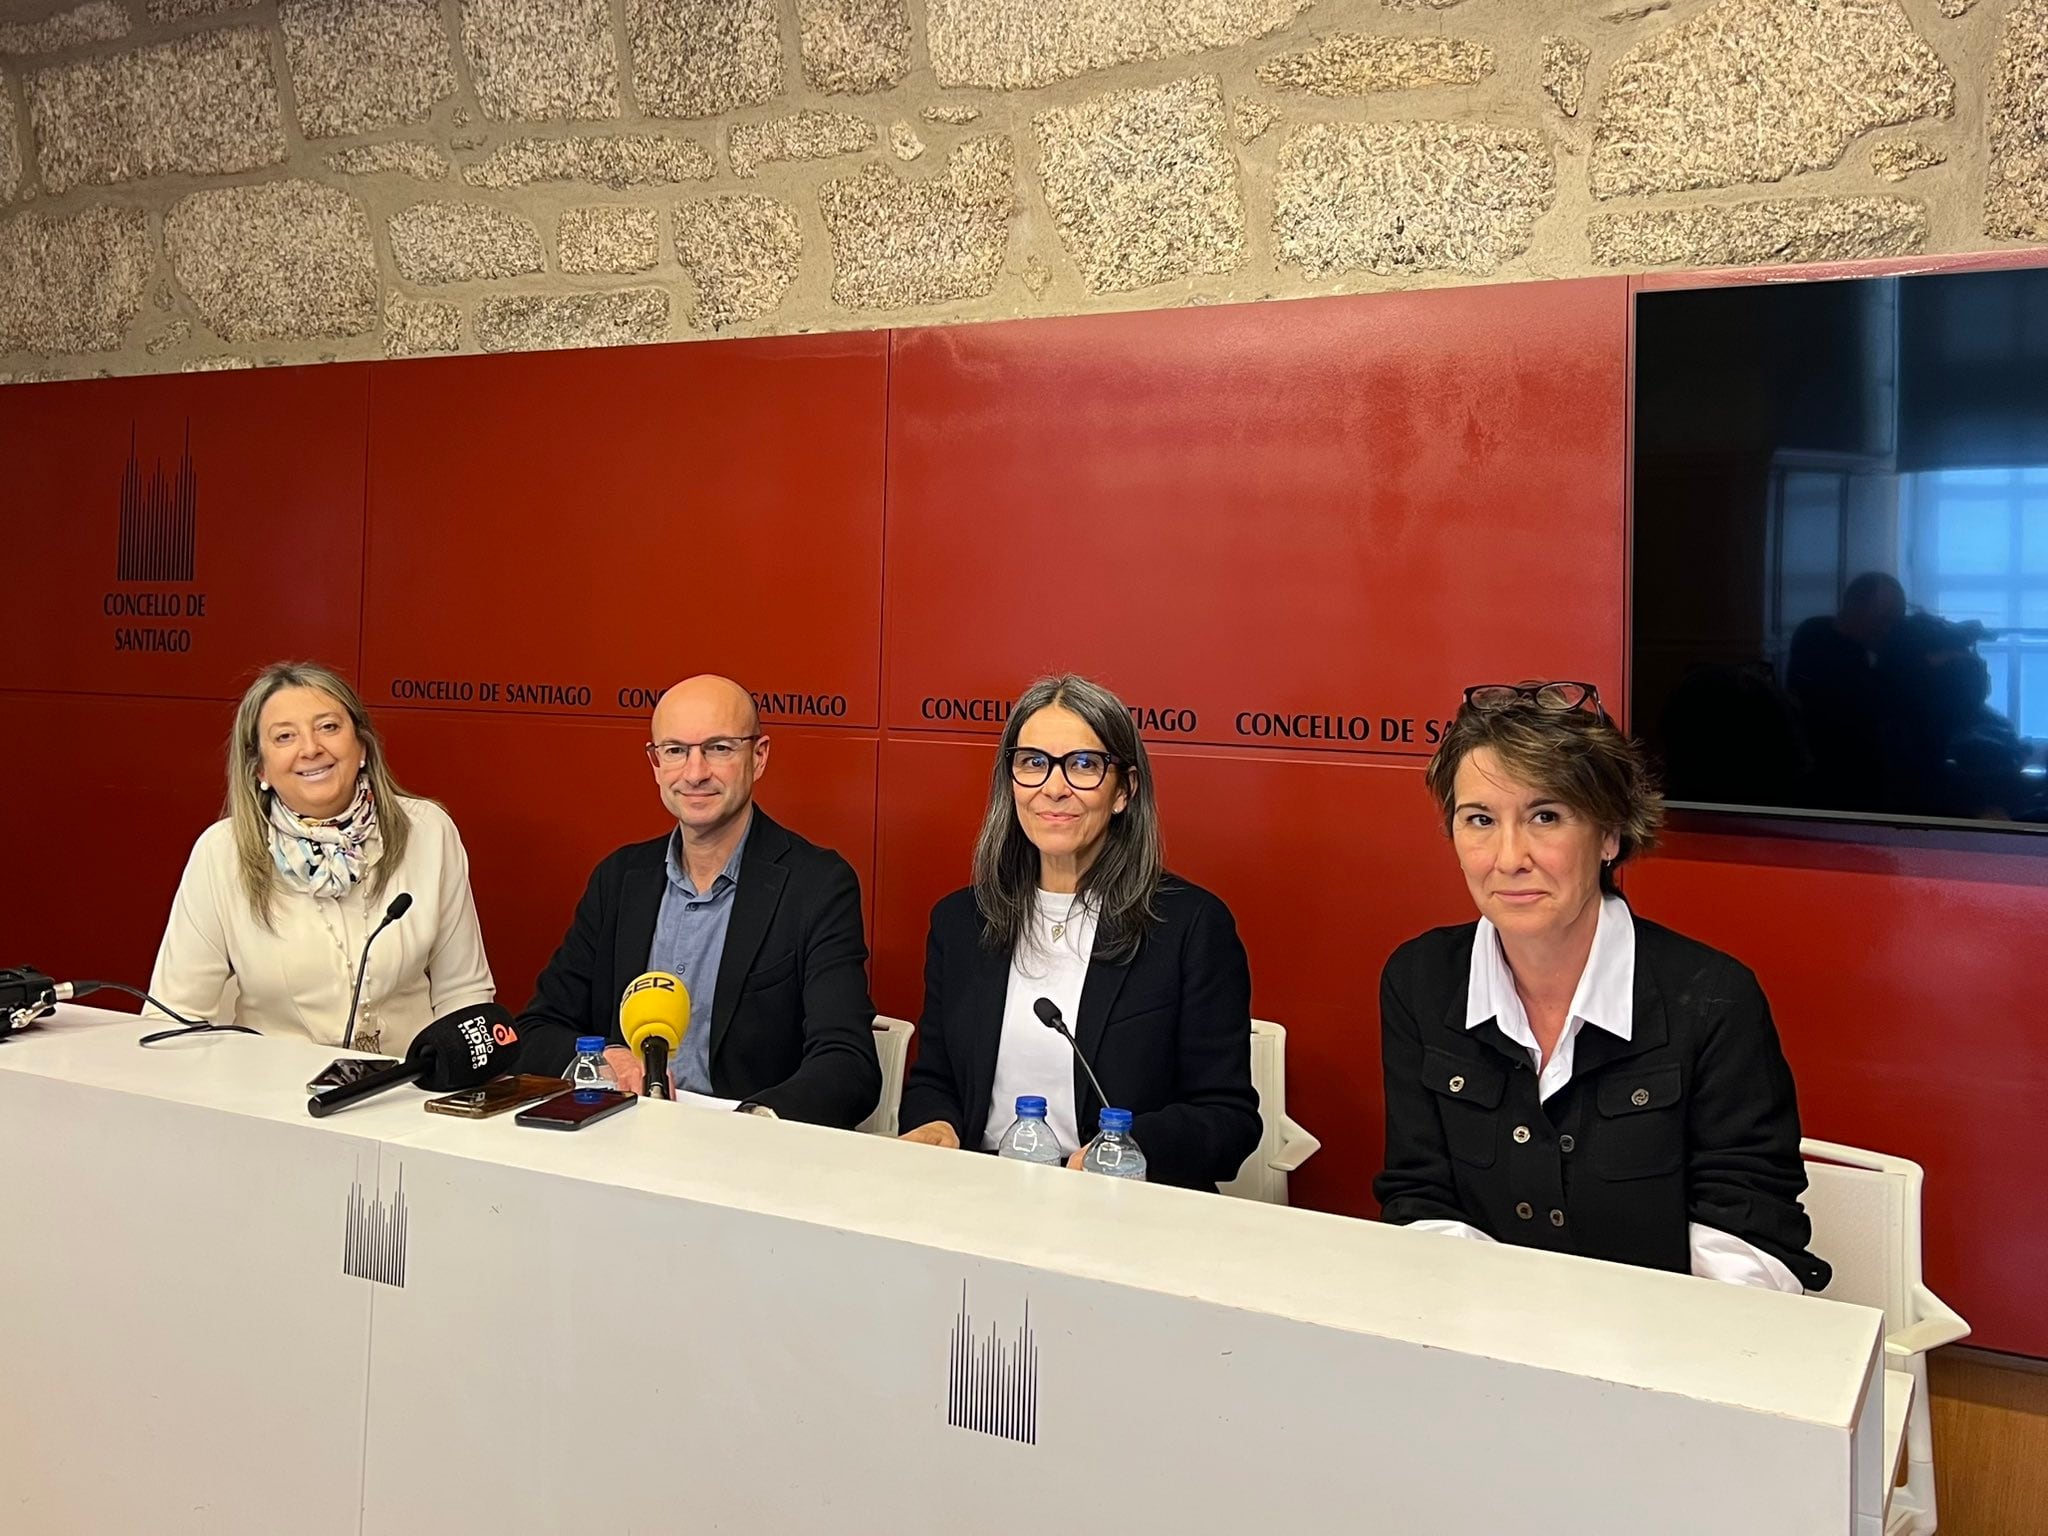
(726, 1323)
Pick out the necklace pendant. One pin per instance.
(1058, 931)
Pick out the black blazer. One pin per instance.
(1692, 1119)
(792, 1026)
(1168, 1031)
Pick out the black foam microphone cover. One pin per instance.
(466, 1048)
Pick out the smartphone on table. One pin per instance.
(495, 1097)
(575, 1109)
(343, 1070)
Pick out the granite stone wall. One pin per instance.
(190, 184)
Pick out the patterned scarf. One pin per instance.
(323, 857)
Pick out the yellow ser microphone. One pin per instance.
(654, 1015)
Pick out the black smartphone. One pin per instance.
(343, 1070)
(575, 1109)
(496, 1096)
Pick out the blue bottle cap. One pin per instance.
(1118, 1120)
(1031, 1104)
(590, 1045)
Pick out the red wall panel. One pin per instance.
(926, 814)
(271, 467)
(101, 799)
(540, 801)
(1332, 510)
(1904, 988)
(608, 521)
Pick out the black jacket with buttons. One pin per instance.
(1692, 1119)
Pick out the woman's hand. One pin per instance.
(933, 1133)
(1074, 1162)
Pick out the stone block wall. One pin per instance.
(190, 184)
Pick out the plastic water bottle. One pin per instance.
(590, 1072)
(1114, 1151)
(1029, 1139)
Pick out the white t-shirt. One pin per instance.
(1031, 1058)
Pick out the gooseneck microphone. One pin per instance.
(654, 1015)
(400, 905)
(1048, 1013)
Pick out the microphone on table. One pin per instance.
(458, 1050)
(325, 1103)
(1048, 1013)
(654, 1015)
(400, 905)
(466, 1048)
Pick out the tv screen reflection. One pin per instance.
(1841, 547)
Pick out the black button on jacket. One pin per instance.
(1692, 1119)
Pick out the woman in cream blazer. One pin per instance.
(270, 920)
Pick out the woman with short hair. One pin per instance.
(1072, 902)
(316, 840)
(1561, 1073)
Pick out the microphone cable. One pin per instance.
(184, 1025)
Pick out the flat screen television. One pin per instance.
(1840, 561)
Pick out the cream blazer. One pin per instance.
(295, 976)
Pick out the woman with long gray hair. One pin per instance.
(1072, 902)
(315, 842)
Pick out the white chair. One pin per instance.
(892, 1045)
(1865, 1209)
(1283, 1145)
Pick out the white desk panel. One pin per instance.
(179, 1349)
(1547, 1311)
(1200, 1362)
(795, 1378)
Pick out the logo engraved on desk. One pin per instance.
(374, 1234)
(992, 1383)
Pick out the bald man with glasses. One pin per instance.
(763, 927)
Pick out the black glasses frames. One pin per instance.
(1084, 768)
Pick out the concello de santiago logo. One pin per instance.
(159, 529)
(992, 1382)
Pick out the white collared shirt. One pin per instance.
(1605, 998)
